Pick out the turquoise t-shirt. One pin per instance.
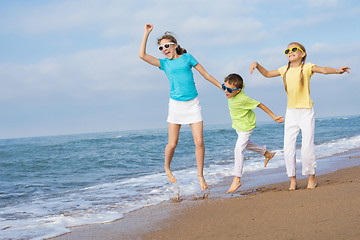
(240, 106)
(180, 75)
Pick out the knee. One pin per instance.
(240, 146)
(171, 146)
(199, 143)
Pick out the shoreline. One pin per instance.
(163, 219)
(331, 211)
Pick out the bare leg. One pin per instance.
(197, 130)
(268, 156)
(311, 182)
(235, 185)
(292, 184)
(174, 130)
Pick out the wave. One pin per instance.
(48, 215)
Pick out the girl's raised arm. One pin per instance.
(207, 76)
(263, 71)
(329, 70)
(142, 53)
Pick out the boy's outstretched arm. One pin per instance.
(263, 71)
(278, 119)
(329, 70)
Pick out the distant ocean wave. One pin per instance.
(50, 183)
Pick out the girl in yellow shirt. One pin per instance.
(299, 113)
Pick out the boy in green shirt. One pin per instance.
(244, 122)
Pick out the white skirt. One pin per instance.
(184, 112)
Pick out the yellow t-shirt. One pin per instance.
(298, 96)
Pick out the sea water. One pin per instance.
(50, 183)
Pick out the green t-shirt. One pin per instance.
(243, 118)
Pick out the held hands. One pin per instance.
(279, 119)
(148, 28)
(342, 70)
(253, 66)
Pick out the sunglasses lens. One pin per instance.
(287, 51)
(160, 48)
(229, 90)
(294, 49)
(167, 45)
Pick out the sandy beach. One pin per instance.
(331, 211)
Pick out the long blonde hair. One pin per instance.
(302, 66)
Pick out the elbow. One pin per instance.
(267, 75)
(142, 54)
(208, 77)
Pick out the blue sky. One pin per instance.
(72, 66)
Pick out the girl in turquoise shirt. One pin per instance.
(184, 106)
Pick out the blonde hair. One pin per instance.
(302, 66)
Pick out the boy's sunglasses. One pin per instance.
(166, 45)
(294, 49)
(229, 90)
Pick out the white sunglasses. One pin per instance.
(166, 45)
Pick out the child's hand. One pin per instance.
(253, 66)
(342, 70)
(279, 119)
(148, 28)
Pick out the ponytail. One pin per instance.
(180, 50)
(302, 74)
(302, 67)
(284, 76)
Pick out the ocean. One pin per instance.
(50, 183)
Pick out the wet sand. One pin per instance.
(331, 211)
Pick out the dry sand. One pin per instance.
(331, 211)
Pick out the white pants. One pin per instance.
(296, 120)
(243, 142)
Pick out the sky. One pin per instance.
(69, 67)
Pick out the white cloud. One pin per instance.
(79, 74)
(80, 15)
(223, 30)
(99, 43)
(308, 22)
(323, 3)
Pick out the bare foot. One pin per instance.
(292, 184)
(171, 177)
(235, 185)
(203, 183)
(312, 186)
(311, 182)
(268, 156)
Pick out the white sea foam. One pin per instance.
(49, 216)
(337, 146)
